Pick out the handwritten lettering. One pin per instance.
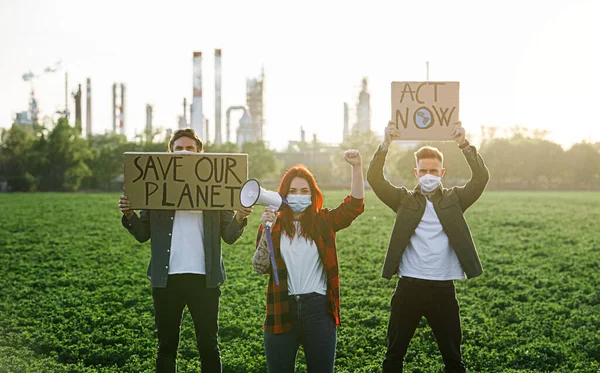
(185, 181)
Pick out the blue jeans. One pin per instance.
(314, 328)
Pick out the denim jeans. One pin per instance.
(203, 304)
(313, 328)
(436, 300)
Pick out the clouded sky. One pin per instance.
(531, 63)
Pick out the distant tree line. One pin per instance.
(523, 161)
(36, 158)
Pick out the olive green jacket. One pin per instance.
(449, 205)
(157, 226)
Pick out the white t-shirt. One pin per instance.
(305, 270)
(429, 255)
(187, 247)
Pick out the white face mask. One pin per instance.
(298, 202)
(429, 182)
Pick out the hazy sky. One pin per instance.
(532, 63)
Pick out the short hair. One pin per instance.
(184, 132)
(429, 152)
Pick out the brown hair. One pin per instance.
(308, 223)
(429, 152)
(184, 132)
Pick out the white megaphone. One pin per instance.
(253, 194)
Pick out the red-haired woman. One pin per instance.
(305, 307)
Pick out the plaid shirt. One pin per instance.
(279, 319)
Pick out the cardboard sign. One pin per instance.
(185, 180)
(425, 110)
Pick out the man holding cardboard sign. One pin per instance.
(425, 110)
(186, 267)
(430, 247)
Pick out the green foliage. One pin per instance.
(365, 143)
(526, 163)
(227, 147)
(106, 162)
(314, 155)
(584, 165)
(75, 297)
(15, 158)
(261, 160)
(403, 164)
(32, 158)
(64, 166)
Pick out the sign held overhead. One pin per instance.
(425, 110)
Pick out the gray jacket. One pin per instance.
(449, 205)
(157, 225)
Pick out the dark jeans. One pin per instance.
(314, 328)
(436, 300)
(203, 304)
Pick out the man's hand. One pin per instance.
(353, 157)
(242, 213)
(125, 206)
(459, 133)
(391, 133)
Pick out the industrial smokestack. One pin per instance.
(207, 135)
(66, 96)
(255, 101)
(88, 107)
(77, 97)
(218, 139)
(122, 110)
(197, 120)
(149, 122)
(114, 107)
(191, 114)
(184, 113)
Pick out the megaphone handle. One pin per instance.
(269, 223)
(272, 253)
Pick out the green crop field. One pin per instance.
(74, 296)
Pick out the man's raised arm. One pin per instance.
(472, 190)
(389, 194)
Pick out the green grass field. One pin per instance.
(74, 296)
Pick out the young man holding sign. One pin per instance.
(430, 247)
(186, 267)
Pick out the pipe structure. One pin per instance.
(228, 121)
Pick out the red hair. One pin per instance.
(308, 223)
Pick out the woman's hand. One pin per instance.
(353, 157)
(269, 216)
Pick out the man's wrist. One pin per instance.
(384, 145)
(464, 144)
